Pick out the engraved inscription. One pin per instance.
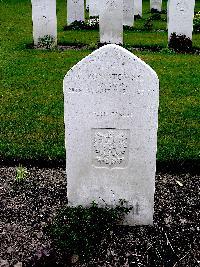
(110, 147)
(182, 6)
(111, 83)
(102, 114)
(137, 208)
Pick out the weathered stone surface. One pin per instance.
(111, 22)
(94, 7)
(44, 19)
(128, 12)
(156, 5)
(75, 11)
(138, 7)
(180, 17)
(111, 116)
(4, 263)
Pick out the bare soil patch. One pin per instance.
(25, 209)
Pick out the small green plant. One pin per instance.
(92, 46)
(21, 173)
(80, 231)
(46, 42)
(180, 43)
(196, 22)
(166, 50)
(156, 16)
(128, 28)
(75, 25)
(148, 24)
(91, 24)
(155, 11)
(163, 11)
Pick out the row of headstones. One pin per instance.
(111, 101)
(76, 12)
(112, 16)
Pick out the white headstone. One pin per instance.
(94, 7)
(180, 17)
(111, 116)
(75, 11)
(138, 7)
(87, 4)
(128, 13)
(167, 14)
(111, 22)
(156, 5)
(44, 20)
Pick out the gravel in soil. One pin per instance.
(27, 207)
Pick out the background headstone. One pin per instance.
(111, 118)
(44, 20)
(75, 11)
(94, 7)
(156, 5)
(87, 4)
(167, 14)
(138, 8)
(111, 22)
(128, 12)
(180, 17)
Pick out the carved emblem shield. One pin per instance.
(110, 147)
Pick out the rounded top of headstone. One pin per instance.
(113, 55)
(113, 71)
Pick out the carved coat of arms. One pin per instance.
(110, 147)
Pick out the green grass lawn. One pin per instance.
(31, 94)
